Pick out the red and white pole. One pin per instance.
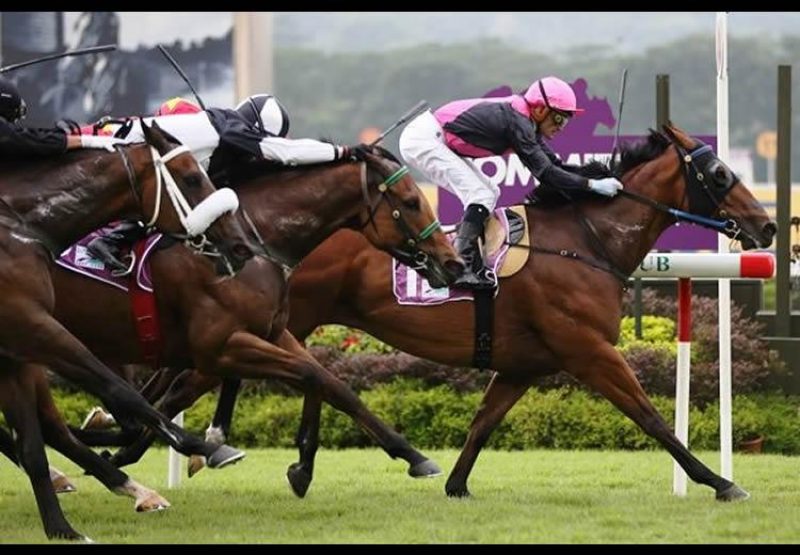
(682, 378)
(685, 266)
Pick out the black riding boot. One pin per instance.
(472, 228)
(108, 248)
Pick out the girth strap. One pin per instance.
(484, 323)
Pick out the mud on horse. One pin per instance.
(562, 310)
(238, 327)
(48, 205)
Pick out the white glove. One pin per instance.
(607, 186)
(100, 141)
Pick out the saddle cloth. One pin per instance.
(507, 226)
(77, 259)
(143, 306)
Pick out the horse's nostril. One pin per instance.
(771, 228)
(454, 267)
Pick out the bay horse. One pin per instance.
(45, 206)
(238, 327)
(560, 312)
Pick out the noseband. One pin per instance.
(198, 243)
(411, 240)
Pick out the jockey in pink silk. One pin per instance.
(442, 145)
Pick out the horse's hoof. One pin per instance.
(98, 419)
(299, 479)
(460, 490)
(196, 464)
(223, 456)
(63, 485)
(152, 504)
(732, 493)
(67, 534)
(425, 469)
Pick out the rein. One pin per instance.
(706, 203)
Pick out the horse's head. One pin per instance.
(198, 209)
(697, 182)
(399, 219)
(713, 190)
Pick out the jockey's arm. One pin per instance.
(537, 157)
(16, 140)
(299, 151)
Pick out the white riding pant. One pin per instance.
(423, 147)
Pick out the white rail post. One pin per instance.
(175, 460)
(724, 285)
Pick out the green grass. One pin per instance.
(362, 496)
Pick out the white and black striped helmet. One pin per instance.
(266, 113)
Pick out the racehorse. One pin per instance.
(46, 206)
(560, 312)
(238, 327)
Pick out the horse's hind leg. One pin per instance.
(501, 394)
(18, 402)
(249, 356)
(58, 436)
(609, 374)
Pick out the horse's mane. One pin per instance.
(643, 151)
(631, 155)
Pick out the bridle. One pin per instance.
(410, 253)
(193, 239)
(708, 182)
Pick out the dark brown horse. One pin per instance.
(45, 206)
(238, 327)
(559, 313)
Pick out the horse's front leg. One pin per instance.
(58, 436)
(42, 339)
(219, 430)
(18, 401)
(606, 371)
(501, 394)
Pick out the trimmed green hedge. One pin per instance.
(438, 417)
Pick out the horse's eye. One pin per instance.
(412, 204)
(193, 180)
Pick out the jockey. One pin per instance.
(16, 140)
(441, 144)
(220, 138)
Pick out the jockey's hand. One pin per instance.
(608, 186)
(97, 141)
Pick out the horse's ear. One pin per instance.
(668, 129)
(154, 135)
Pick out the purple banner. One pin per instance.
(576, 144)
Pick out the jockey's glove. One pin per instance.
(608, 186)
(98, 141)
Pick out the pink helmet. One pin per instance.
(177, 105)
(553, 93)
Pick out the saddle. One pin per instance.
(518, 234)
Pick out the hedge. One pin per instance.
(439, 417)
